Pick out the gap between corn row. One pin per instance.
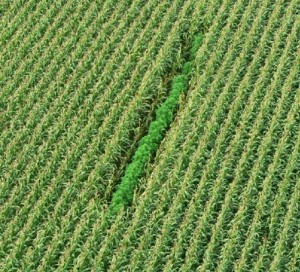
(148, 145)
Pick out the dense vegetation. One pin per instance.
(150, 135)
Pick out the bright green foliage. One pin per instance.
(214, 189)
(149, 143)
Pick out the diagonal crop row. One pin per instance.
(149, 143)
(37, 137)
(217, 239)
(202, 229)
(185, 191)
(178, 204)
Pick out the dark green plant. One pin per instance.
(150, 142)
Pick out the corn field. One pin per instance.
(153, 135)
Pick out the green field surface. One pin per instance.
(150, 135)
